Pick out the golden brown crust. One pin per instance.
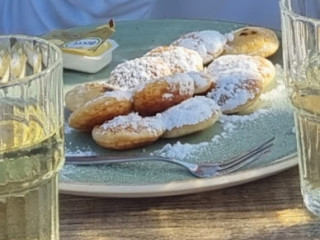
(121, 140)
(267, 70)
(156, 96)
(98, 111)
(127, 132)
(255, 41)
(83, 93)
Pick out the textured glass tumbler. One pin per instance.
(31, 137)
(301, 58)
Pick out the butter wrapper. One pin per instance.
(83, 41)
(85, 49)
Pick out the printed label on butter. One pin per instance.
(84, 43)
(83, 40)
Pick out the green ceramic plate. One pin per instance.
(230, 136)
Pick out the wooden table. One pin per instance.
(270, 208)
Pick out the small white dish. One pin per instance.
(89, 64)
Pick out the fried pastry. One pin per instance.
(203, 82)
(255, 41)
(178, 58)
(236, 89)
(127, 132)
(83, 93)
(253, 63)
(101, 109)
(209, 43)
(159, 94)
(190, 116)
(132, 73)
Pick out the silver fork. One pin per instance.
(201, 170)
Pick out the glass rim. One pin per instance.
(296, 16)
(37, 75)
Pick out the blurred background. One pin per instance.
(254, 12)
(38, 17)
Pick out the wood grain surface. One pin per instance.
(270, 208)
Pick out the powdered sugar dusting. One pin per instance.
(201, 80)
(190, 111)
(80, 152)
(131, 73)
(77, 151)
(274, 100)
(134, 122)
(120, 94)
(68, 129)
(181, 83)
(179, 59)
(229, 36)
(235, 87)
(227, 62)
(214, 41)
(257, 64)
(194, 44)
(180, 150)
(209, 44)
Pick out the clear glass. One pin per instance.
(301, 59)
(31, 137)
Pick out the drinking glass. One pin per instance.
(300, 21)
(31, 137)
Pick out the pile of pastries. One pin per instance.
(175, 90)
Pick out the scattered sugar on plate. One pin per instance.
(76, 151)
(230, 135)
(179, 150)
(68, 129)
(229, 124)
(274, 100)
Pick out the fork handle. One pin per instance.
(95, 160)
